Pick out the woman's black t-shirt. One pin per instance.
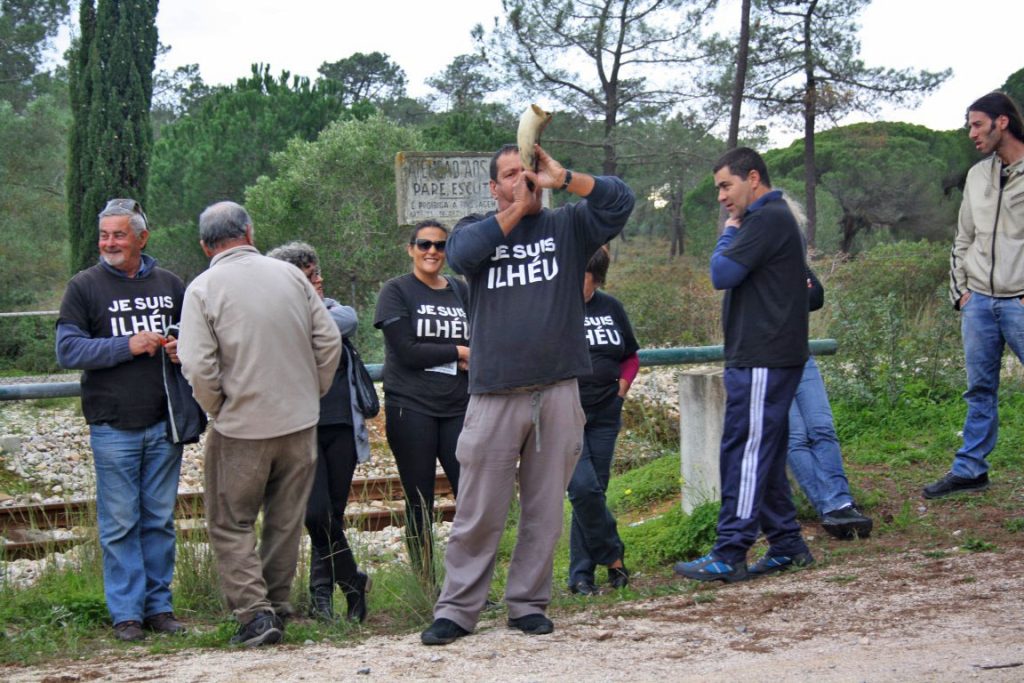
(422, 326)
(610, 340)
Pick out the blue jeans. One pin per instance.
(136, 488)
(814, 457)
(593, 536)
(987, 326)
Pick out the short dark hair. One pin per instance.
(597, 266)
(505, 149)
(428, 223)
(741, 161)
(996, 104)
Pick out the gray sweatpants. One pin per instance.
(542, 432)
(244, 476)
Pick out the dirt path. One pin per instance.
(898, 617)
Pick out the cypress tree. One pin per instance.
(111, 88)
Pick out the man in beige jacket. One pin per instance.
(986, 281)
(259, 349)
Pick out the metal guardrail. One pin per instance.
(29, 314)
(685, 355)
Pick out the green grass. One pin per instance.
(647, 484)
(890, 449)
(1014, 525)
(658, 542)
(12, 484)
(977, 545)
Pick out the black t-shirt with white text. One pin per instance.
(129, 395)
(526, 304)
(610, 339)
(422, 326)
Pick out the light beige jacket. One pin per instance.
(988, 250)
(257, 345)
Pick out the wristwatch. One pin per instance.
(568, 179)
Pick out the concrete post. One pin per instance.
(701, 415)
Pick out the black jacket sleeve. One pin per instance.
(816, 293)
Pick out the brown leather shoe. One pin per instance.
(163, 623)
(129, 631)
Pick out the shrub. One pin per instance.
(670, 302)
(672, 536)
(27, 345)
(896, 334)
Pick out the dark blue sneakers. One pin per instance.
(710, 568)
(770, 564)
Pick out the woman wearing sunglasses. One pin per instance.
(426, 355)
(342, 442)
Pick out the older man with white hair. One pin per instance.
(259, 349)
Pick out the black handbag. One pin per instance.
(362, 383)
(186, 420)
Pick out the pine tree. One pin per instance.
(111, 88)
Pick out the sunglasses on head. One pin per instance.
(425, 245)
(129, 204)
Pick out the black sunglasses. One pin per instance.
(425, 245)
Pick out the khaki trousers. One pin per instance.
(541, 432)
(244, 476)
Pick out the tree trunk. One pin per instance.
(678, 247)
(810, 105)
(739, 85)
(849, 227)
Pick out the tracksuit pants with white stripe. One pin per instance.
(755, 491)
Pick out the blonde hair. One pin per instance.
(797, 209)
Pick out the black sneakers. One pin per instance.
(263, 629)
(532, 624)
(950, 483)
(847, 523)
(585, 587)
(442, 632)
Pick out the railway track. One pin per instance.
(32, 531)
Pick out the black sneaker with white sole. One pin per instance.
(847, 523)
(263, 629)
(951, 483)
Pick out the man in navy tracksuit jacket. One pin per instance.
(759, 262)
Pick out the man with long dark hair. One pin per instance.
(986, 281)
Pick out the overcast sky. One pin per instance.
(981, 43)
